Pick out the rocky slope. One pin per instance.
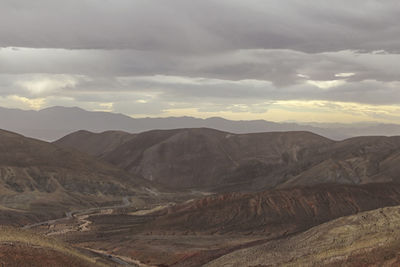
(44, 179)
(365, 239)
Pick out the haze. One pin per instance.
(274, 60)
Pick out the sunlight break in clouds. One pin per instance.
(19, 101)
(326, 84)
(39, 85)
(344, 75)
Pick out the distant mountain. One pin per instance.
(53, 123)
(43, 180)
(360, 129)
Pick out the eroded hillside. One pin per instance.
(365, 239)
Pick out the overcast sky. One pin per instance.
(292, 60)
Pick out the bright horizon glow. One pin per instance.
(280, 111)
(306, 111)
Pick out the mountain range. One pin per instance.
(212, 160)
(52, 123)
(194, 196)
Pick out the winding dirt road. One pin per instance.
(71, 214)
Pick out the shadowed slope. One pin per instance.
(206, 158)
(220, 161)
(95, 144)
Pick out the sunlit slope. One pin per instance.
(365, 239)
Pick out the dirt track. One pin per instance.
(71, 214)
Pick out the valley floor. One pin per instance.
(370, 238)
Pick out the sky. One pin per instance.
(292, 60)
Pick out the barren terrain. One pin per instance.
(248, 192)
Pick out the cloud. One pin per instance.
(201, 26)
(282, 67)
(14, 101)
(326, 84)
(228, 56)
(163, 91)
(344, 74)
(43, 85)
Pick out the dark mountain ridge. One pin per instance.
(206, 158)
(219, 161)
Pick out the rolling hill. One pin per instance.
(272, 188)
(208, 159)
(24, 248)
(39, 179)
(204, 158)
